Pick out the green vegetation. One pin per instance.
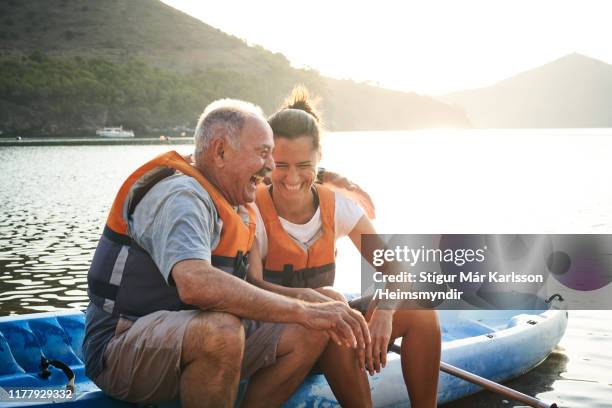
(53, 96)
(41, 95)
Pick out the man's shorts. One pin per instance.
(142, 362)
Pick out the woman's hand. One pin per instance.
(380, 325)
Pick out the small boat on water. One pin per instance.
(114, 132)
(498, 345)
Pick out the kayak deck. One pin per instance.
(498, 345)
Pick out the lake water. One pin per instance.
(55, 200)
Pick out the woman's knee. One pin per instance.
(311, 345)
(423, 322)
(305, 342)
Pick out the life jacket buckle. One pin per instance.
(288, 275)
(241, 265)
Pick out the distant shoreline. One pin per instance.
(91, 141)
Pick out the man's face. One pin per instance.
(247, 165)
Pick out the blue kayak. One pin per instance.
(498, 345)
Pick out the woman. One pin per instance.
(298, 223)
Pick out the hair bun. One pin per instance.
(300, 99)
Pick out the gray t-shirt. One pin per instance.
(176, 220)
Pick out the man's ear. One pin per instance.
(217, 147)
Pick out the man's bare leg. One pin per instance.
(211, 359)
(346, 379)
(298, 350)
(420, 354)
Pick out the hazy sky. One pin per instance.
(426, 46)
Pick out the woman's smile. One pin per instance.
(292, 187)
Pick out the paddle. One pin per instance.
(488, 384)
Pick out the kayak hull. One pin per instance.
(498, 345)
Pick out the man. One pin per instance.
(164, 319)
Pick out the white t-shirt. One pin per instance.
(346, 215)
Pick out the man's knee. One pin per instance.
(214, 336)
(226, 336)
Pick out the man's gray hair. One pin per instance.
(223, 118)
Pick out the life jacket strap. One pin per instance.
(291, 278)
(116, 237)
(103, 289)
(237, 265)
(288, 275)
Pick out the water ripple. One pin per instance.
(54, 204)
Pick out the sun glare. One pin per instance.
(430, 47)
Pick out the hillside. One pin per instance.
(574, 92)
(69, 66)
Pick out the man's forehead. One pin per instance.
(257, 132)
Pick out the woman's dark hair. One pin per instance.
(298, 117)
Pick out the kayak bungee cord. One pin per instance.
(45, 372)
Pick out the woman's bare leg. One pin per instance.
(346, 379)
(297, 351)
(420, 354)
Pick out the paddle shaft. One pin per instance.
(488, 384)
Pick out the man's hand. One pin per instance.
(313, 295)
(320, 295)
(332, 293)
(344, 325)
(380, 325)
(336, 182)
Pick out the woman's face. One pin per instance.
(296, 167)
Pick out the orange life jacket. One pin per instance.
(286, 262)
(123, 279)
